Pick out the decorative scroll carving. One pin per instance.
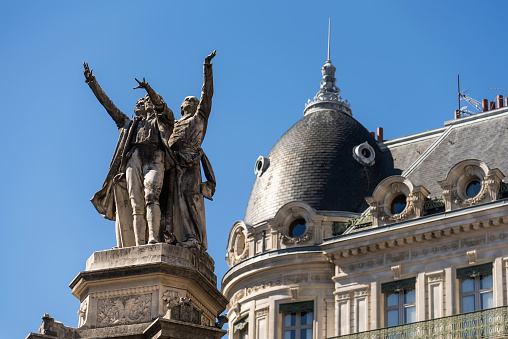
(362, 264)
(124, 310)
(398, 256)
(497, 237)
(396, 270)
(436, 249)
(457, 200)
(474, 241)
(264, 285)
(295, 278)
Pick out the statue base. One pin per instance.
(149, 291)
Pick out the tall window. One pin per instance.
(241, 328)
(297, 320)
(475, 288)
(400, 302)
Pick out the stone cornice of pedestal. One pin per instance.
(86, 278)
(163, 328)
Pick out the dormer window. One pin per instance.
(398, 204)
(473, 188)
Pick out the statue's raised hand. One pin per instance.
(210, 57)
(88, 73)
(141, 84)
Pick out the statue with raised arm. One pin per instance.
(186, 210)
(132, 188)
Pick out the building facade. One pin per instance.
(345, 235)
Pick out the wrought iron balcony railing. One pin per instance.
(491, 323)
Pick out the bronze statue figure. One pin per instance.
(153, 187)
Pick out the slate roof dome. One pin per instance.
(327, 159)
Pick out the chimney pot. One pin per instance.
(373, 135)
(499, 101)
(492, 105)
(380, 134)
(485, 105)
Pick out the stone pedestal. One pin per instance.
(138, 291)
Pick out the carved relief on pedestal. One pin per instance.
(124, 310)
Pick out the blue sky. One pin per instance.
(397, 64)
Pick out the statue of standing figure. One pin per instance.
(154, 189)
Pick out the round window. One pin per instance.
(297, 228)
(473, 188)
(398, 204)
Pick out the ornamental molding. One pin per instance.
(261, 313)
(361, 292)
(473, 241)
(435, 277)
(321, 278)
(451, 246)
(343, 295)
(412, 240)
(262, 286)
(131, 309)
(123, 292)
(295, 278)
(397, 256)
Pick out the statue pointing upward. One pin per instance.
(154, 186)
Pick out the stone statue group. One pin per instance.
(154, 190)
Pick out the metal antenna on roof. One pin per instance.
(463, 111)
(496, 88)
(329, 32)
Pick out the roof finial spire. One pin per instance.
(328, 96)
(329, 24)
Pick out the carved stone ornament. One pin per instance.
(396, 270)
(287, 240)
(472, 256)
(294, 291)
(404, 215)
(184, 310)
(124, 310)
(458, 200)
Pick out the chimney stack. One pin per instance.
(485, 105)
(380, 134)
(499, 101)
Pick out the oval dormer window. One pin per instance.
(297, 228)
(364, 154)
(473, 188)
(398, 204)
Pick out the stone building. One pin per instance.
(345, 235)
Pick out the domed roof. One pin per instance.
(327, 160)
(313, 162)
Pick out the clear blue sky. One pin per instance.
(397, 63)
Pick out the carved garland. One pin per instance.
(402, 215)
(457, 200)
(290, 240)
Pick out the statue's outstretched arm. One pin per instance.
(118, 116)
(154, 97)
(205, 103)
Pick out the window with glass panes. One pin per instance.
(400, 302)
(475, 286)
(297, 320)
(241, 328)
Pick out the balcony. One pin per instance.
(491, 323)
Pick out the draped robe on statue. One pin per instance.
(185, 216)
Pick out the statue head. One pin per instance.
(144, 106)
(189, 106)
